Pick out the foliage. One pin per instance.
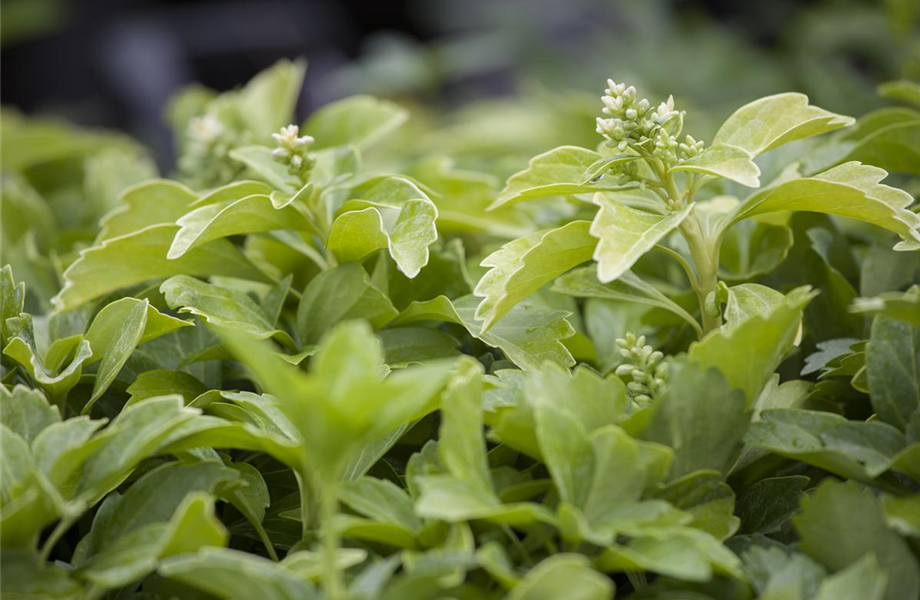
(655, 368)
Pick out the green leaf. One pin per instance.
(386, 212)
(156, 202)
(529, 334)
(382, 501)
(761, 327)
(752, 248)
(864, 579)
(563, 576)
(904, 306)
(583, 283)
(854, 449)
(251, 214)
(134, 555)
(893, 368)
(768, 504)
(626, 234)
(132, 436)
(701, 417)
(12, 301)
(236, 575)
(776, 120)
(162, 382)
(155, 497)
(140, 257)
(521, 267)
(26, 578)
(724, 160)
(263, 164)
(461, 447)
(117, 353)
(559, 172)
(358, 120)
(903, 90)
(26, 412)
(49, 373)
(267, 102)
(222, 307)
(340, 294)
(108, 322)
(688, 555)
(831, 535)
(849, 190)
(406, 345)
(707, 499)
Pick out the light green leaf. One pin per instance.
(55, 379)
(108, 322)
(903, 90)
(339, 294)
(140, 257)
(117, 353)
(529, 334)
(12, 300)
(776, 120)
(563, 576)
(251, 214)
(727, 161)
(522, 266)
(865, 579)
(26, 411)
(904, 306)
(849, 190)
(236, 575)
(688, 555)
(893, 369)
(386, 212)
(222, 307)
(155, 202)
(358, 120)
(461, 447)
(559, 172)
(761, 327)
(267, 101)
(830, 534)
(626, 234)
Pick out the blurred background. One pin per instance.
(116, 63)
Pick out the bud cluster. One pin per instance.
(206, 160)
(647, 370)
(634, 122)
(293, 151)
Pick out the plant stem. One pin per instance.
(706, 259)
(56, 534)
(332, 575)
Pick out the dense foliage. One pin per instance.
(329, 361)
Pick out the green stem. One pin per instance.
(332, 575)
(58, 532)
(304, 505)
(706, 259)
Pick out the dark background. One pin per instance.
(115, 63)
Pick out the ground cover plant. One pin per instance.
(326, 361)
